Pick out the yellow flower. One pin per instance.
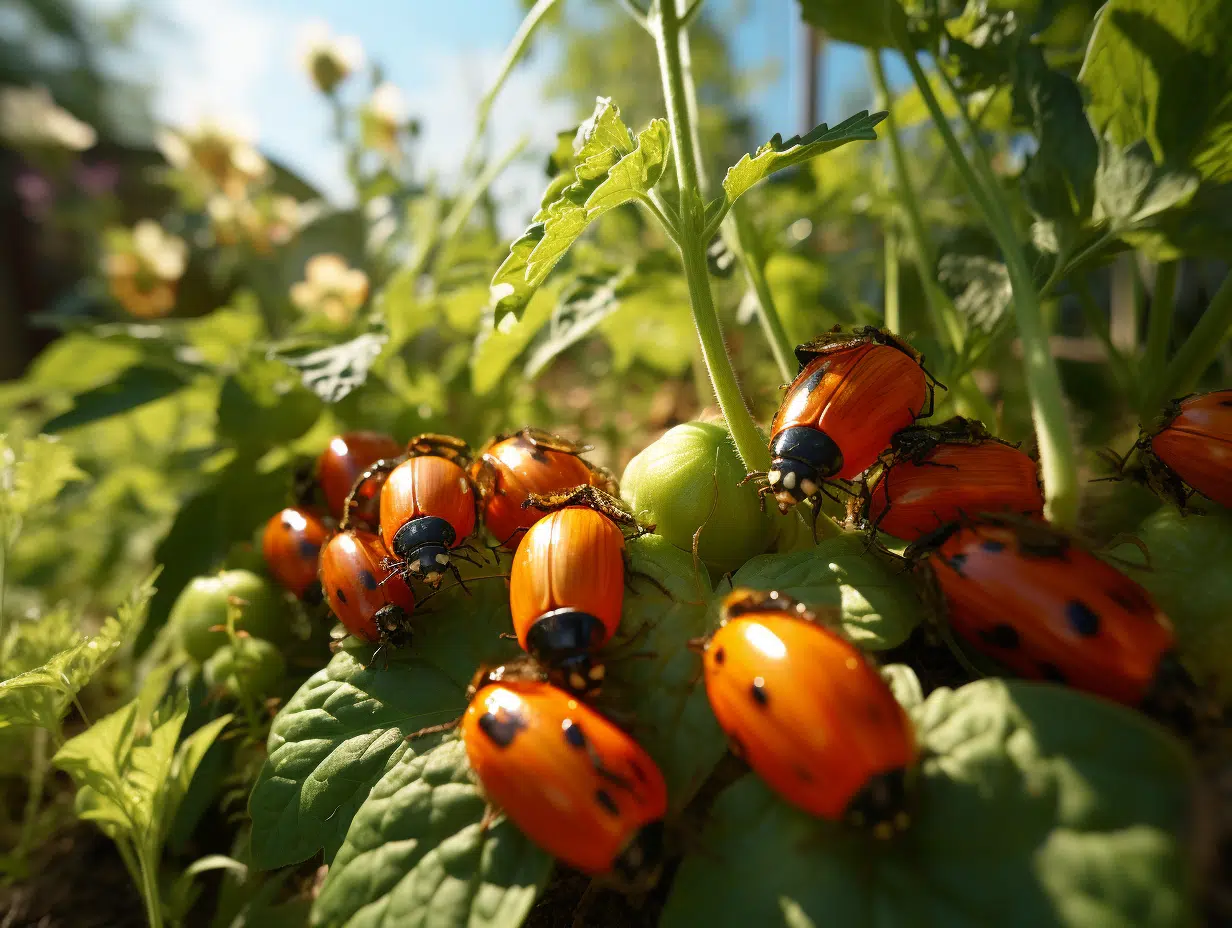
(331, 288)
(29, 118)
(328, 59)
(143, 267)
(261, 222)
(215, 158)
(383, 117)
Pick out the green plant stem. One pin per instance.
(893, 321)
(742, 237)
(1159, 325)
(1058, 464)
(149, 887)
(1198, 352)
(943, 320)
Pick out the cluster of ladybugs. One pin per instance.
(797, 701)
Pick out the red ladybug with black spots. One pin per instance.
(575, 784)
(1028, 596)
(372, 601)
(291, 544)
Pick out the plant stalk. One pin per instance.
(149, 888)
(1198, 352)
(893, 320)
(1058, 464)
(1159, 326)
(742, 237)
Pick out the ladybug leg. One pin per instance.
(585, 495)
(434, 729)
(383, 466)
(490, 814)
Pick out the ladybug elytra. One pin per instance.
(373, 602)
(291, 544)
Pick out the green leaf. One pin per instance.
(905, 684)
(133, 388)
(417, 854)
(879, 606)
(663, 687)
(184, 767)
(584, 303)
(264, 404)
(42, 696)
(333, 373)
(1073, 808)
(499, 345)
(1159, 70)
(404, 313)
(33, 474)
(1131, 190)
(148, 767)
(611, 169)
(979, 286)
(96, 761)
(332, 741)
(778, 154)
(1189, 582)
(868, 24)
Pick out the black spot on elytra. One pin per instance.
(368, 580)
(503, 728)
(308, 550)
(802, 774)
(574, 735)
(1225, 402)
(1082, 618)
(341, 595)
(957, 562)
(758, 691)
(992, 546)
(815, 378)
(604, 798)
(720, 656)
(637, 771)
(1001, 636)
(1051, 672)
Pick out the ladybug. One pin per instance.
(339, 466)
(566, 586)
(374, 603)
(933, 475)
(853, 393)
(574, 783)
(428, 505)
(1027, 595)
(513, 466)
(1190, 451)
(291, 544)
(807, 711)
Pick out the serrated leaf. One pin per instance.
(333, 373)
(1131, 189)
(778, 153)
(1158, 70)
(334, 739)
(1074, 808)
(42, 696)
(584, 303)
(135, 387)
(96, 758)
(611, 169)
(417, 854)
(879, 606)
(979, 286)
(32, 475)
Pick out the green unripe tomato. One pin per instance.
(1190, 580)
(250, 667)
(203, 605)
(673, 482)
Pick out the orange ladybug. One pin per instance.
(573, 782)
(566, 588)
(374, 603)
(933, 475)
(428, 506)
(806, 710)
(1191, 449)
(853, 392)
(291, 544)
(511, 467)
(340, 465)
(1028, 596)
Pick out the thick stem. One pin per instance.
(1200, 350)
(743, 238)
(943, 321)
(1058, 465)
(1159, 326)
(149, 887)
(893, 322)
(665, 26)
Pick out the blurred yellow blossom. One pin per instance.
(261, 222)
(215, 158)
(328, 59)
(29, 117)
(383, 117)
(143, 267)
(331, 288)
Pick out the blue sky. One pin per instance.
(235, 60)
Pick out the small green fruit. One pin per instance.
(673, 483)
(250, 667)
(203, 605)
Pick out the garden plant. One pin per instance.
(834, 533)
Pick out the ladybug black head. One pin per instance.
(637, 867)
(394, 625)
(564, 641)
(802, 459)
(423, 545)
(882, 806)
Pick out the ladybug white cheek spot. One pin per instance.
(808, 487)
(774, 477)
(789, 480)
(442, 559)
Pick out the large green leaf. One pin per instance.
(134, 387)
(778, 153)
(264, 404)
(1037, 806)
(867, 24)
(1159, 70)
(41, 696)
(879, 606)
(332, 741)
(417, 854)
(612, 168)
(499, 345)
(31, 476)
